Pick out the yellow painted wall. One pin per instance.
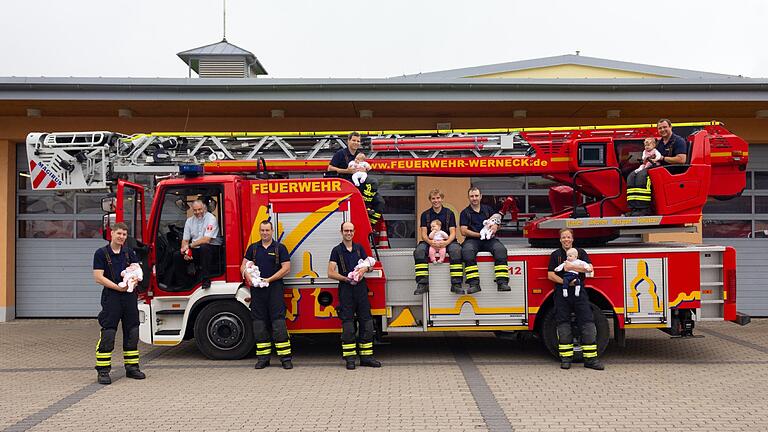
(569, 71)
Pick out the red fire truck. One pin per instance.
(635, 285)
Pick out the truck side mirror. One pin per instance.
(109, 204)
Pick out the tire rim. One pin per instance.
(225, 330)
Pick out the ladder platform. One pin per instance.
(604, 222)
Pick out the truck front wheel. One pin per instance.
(548, 332)
(224, 331)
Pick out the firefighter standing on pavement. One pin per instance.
(267, 305)
(578, 304)
(353, 300)
(117, 305)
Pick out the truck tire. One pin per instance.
(224, 331)
(548, 332)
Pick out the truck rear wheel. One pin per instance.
(548, 332)
(224, 331)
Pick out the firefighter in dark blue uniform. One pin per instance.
(341, 159)
(117, 305)
(267, 305)
(448, 223)
(578, 304)
(674, 150)
(471, 223)
(353, 299)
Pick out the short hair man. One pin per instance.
(341, 159)
(674, 150)
(471, 222)
(200, 243)
(267, 304)
(576, 301)
(353, 300)
(117, 304)
(448, 222)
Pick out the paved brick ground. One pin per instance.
(451, 382)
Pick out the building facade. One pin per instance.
(47, 239)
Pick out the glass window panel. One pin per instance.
(742, 204)
(493, 185)
(749, 181)
(714, 228)
(89, 229)
(536, 182)
(44, 229)
(399, 204)
(761, 180)
(539, 204)
(46, 204)
(761, 229)
(761, 204)
(401, 229)
(395, 182)
(90, 204)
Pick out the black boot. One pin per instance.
(350, 364)
(103, 377)
(287, 364)
(133, 371)
(503, 285)
(474, 286)
(370, 362)
(261, 363)
(565, 363)
(456, 288)
(594, 363)
(421, 288)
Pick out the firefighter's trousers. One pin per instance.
(639, 190)
(118, 307)
(354, 306)
(268, 312)
(564, 306)
(469, 250)
(421, 253)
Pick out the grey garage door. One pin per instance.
(54, 278)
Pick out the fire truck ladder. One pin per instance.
(91, 160)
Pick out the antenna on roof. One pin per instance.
(577, 51)
(225, 21)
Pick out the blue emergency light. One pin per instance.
(191, 170)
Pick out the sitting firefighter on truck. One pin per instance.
(471, 222)
(674, 150)
(448, 223)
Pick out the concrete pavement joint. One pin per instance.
(67, 401)
(735, 340)
(489, 407)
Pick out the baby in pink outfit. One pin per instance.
(651, 156)
(437, 234)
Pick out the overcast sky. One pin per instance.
(342, 39)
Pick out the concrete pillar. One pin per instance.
(7, 231)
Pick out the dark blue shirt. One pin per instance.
(265, 258)
(347, 260)
(446, 217)
(341, 159)
(119, 260)
(559, 256)
(474, 220)
(675, 146)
